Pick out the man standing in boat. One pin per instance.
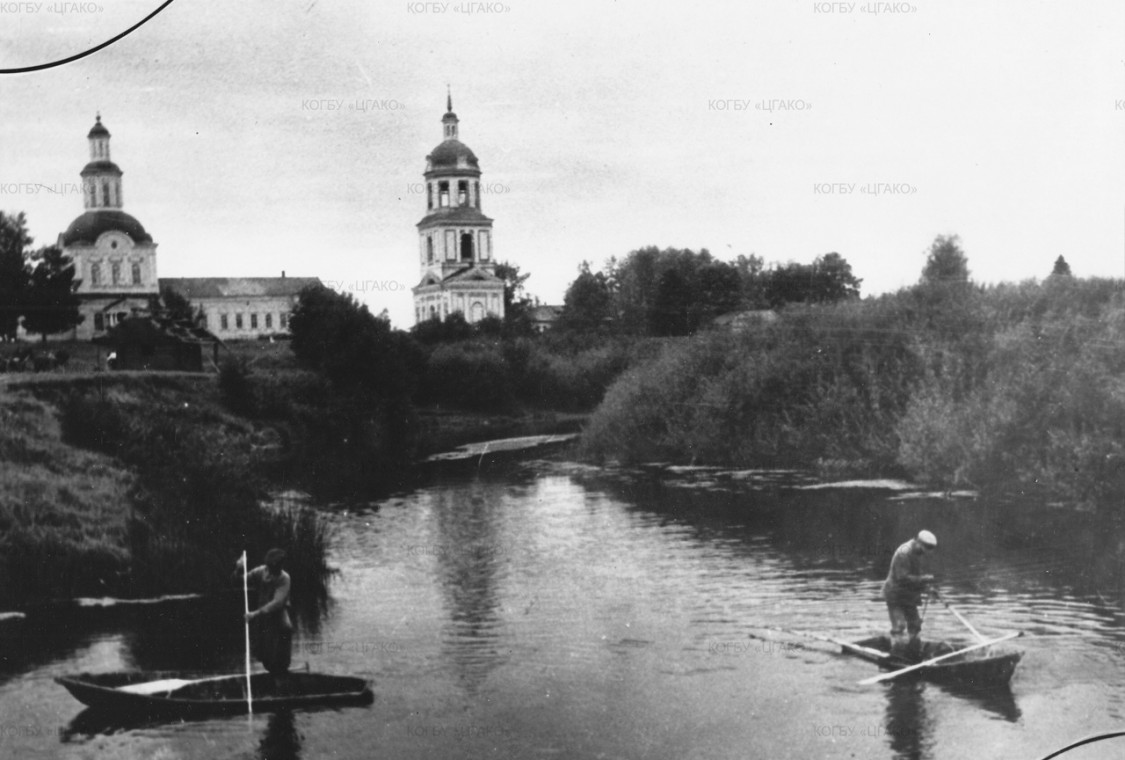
(903, 591)
(273, 630)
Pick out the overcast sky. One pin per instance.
(268, 135)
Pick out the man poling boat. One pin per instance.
(272, 634)
(903, 590)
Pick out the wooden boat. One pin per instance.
(164, 695)
(983, 668)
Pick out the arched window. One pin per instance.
(462, 193)
(105, 193)
(115, 272)
(443, 194)
(96, 273)
(429, 249)
(476, 193)
(429, 195)
(136, 273)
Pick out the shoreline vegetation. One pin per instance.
(1008, 389)
(142, 484)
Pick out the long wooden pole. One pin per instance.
(246, 610)
(888, 676)
(966, 623)
(839, 642)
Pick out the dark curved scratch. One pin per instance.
(91, 51)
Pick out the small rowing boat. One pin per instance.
(982, 668)
(164, 695)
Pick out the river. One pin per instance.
(551, 610)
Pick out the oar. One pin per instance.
(894, 674)
(246, 610)
(960, 617)
(839, 642)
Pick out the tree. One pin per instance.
(587, 304)
(174, 305)
(1062, 269)
(751, 274)
(670, 313)
(338, 337)
(946, 262)
(719, 292)
(827, 280)
(833, 279)
(14, 272)
(517, 304)
(51, 305)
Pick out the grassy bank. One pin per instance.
(136, 485)
(1013, 387)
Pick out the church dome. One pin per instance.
(452, 154)
(88, 227)
(100, 167)
(98, 130)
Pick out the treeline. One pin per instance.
(676, 292)
(1008, 387)
(36, 285)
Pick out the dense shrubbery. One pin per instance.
(946, 382)
(197, 498)
(563, 372)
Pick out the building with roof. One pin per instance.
(236, 308)
(157, 343)
(115, 267)
(455, 237)
(114, 257)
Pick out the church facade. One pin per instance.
(115, 267)
(114, 257)
(455, 237)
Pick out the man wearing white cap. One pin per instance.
(903, 591)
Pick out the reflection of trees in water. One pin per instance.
(468, 556)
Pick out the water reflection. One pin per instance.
(469, 553)
(997, 700)
(282, 740)
(569, 609)
(908, 726)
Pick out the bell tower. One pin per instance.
(101, 178)
(455, 237)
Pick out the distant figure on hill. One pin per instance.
(272, 634)
(903, 591)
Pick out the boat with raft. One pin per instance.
(157, 694)
(979, 666)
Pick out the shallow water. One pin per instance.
(553, 611)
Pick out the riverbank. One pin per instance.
(1007, 389)
(141, 484)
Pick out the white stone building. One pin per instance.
(235, 308)
(115, 267)
(455, 237)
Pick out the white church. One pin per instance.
(115, 267)
(116, 263)
(455, 237)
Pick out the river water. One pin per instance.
(558, 611)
